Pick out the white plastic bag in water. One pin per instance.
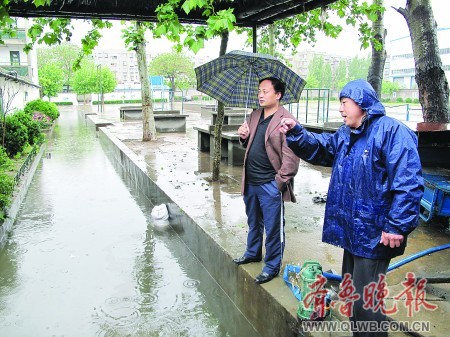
(160, 212)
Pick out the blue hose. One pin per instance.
(335, 277)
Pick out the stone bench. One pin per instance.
(233, 117)
(165, 120)
(207, 110)
(231, 149)
(135, 112)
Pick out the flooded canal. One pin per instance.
(85, 259)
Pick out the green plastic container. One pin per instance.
(307, 276)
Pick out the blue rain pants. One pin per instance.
(265, 211)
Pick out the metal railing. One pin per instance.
(26, 164)
(313, 107)
(408, 114)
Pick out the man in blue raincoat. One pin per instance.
(375, 188)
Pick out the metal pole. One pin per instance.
(318, 107)
(328, 104)
(101, 90)
(254, 36)
(307, 103)
(98, 93)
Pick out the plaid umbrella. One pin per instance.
(233, 78)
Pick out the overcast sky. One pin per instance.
(347, 44)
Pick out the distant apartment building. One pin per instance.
(123, 63)
(18, 70)
(301, 60)
(401, 59)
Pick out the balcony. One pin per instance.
(20, 70)
(20, 37)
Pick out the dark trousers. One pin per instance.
(265, 210)
(364, 271)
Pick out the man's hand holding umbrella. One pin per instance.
(243, 130)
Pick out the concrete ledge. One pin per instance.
(207, 240)
(97, 121)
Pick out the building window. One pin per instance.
(15, 58)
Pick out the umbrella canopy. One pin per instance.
(233, 78)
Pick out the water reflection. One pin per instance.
(84, 259)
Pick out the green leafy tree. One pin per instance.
(64, 55)
(388, 88)
(83, 81)
(330, 19)
(379, 54)
(91, 78)
(51, 80)
(430, 76)
(105, 80)
(340, 75)
(176, 67)
(134, 37)
(315, 68)
(358, 68)
(53, 31)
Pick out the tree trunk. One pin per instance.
(148, 118)
(375, 76)
(430, 77)
(219, 121)
(271, 40)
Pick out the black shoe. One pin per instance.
(264, 277)
(244, 260)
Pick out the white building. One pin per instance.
(402, 67)
(123, 63)
(18, 70)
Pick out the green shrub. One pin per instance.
(6, 164)
(16, 135)
(63, 103)
(33, 127)
(399, 100)
(408, 100)
(39, 105)
(415, 100)
(6, 190)
(42, 120)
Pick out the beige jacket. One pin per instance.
(283, 160)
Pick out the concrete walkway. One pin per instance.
(216, 210)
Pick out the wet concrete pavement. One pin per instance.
(174, 163)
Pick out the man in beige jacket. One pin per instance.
(267, 179)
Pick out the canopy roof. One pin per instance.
(249, 13)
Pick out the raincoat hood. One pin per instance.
(364, 95)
